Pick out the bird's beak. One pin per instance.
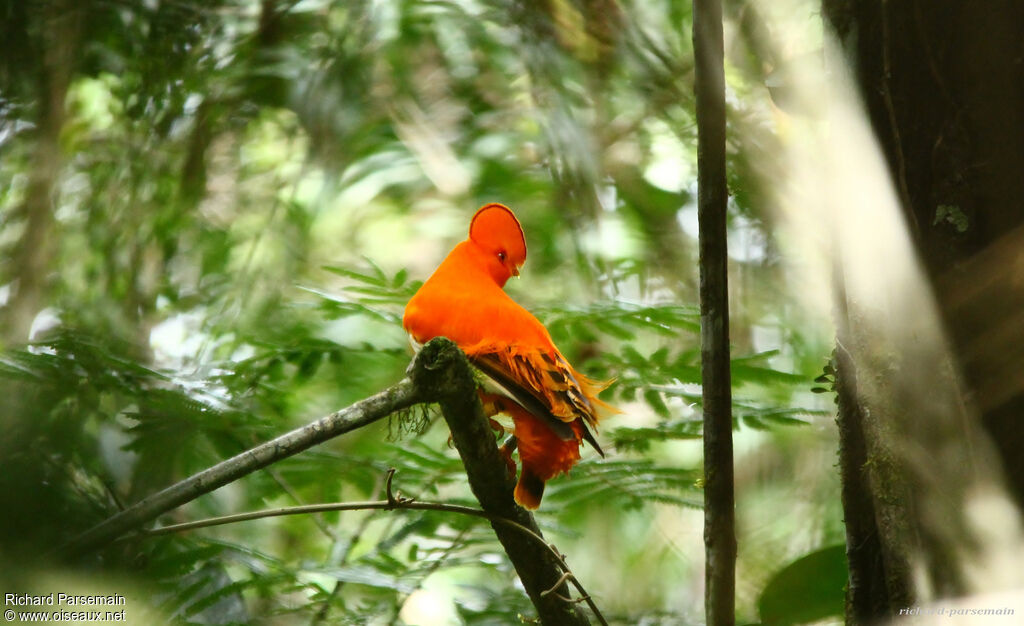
(515, 271)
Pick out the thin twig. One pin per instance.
(440, 372)
(446, 370)
(390, 503)
(401, 395)
(561, 581)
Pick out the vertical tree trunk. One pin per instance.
(32, 256)
(712, 194)
(879, 581)
(943, 84)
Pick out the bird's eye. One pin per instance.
(501, 257)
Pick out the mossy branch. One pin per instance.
(399, 396)
(444, 370)
(440, 373)
(394, 501)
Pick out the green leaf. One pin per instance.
(630, 483)
(655, 401)
(809, 589)
(365, 575)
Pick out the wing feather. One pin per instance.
(545, 385)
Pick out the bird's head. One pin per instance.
(497, 233)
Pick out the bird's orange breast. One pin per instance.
(464, 304)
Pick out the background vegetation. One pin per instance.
(213, 214)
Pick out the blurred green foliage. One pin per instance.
(246, 194)
(809, 589)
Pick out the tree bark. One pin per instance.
(867, 594)
(401, 395)
(444, 368)
(879, 581)
(712, 194)
(439, 373)
(943, 85)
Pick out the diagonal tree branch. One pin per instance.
(439, 373)
(391, 503)
(444, 368)
(399, 396)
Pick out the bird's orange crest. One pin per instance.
(495, 225)
(553, 407)
(497, 233)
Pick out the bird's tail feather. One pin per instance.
(529, 489)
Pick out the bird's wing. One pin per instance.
(543, 384)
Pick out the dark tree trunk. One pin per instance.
(868, 595)
(719, 499)
(943, 84)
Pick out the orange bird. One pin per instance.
(552, 406)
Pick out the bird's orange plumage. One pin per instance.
(551, 405)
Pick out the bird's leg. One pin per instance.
(506, 450)
(494, 404)
(509, 446)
